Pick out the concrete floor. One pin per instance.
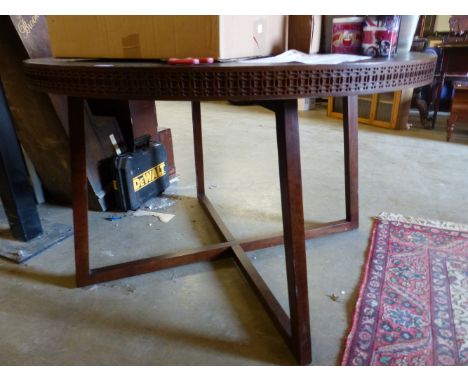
(205, 314)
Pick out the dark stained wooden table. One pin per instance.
(275, 87)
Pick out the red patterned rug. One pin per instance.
(413, 303)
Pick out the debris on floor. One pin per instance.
(113, 218)
(126, 288)
(165, 218)
(333, 297)
(158, 203)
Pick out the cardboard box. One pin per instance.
(135, 37)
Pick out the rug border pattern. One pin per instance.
(360, 340)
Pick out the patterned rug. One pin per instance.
(413, 303)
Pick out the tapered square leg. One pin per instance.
(294, 329)
(198, 147)
(79, 183)
(350, 131)
(287, 129)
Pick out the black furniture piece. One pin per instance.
(16, 191)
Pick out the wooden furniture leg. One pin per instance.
(79, 187)
(437, 93)
(287, 133)
(296, 329)
(350, 131)
(198, 148)
(451, 121)
(422, 107)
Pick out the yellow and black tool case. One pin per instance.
(140, 175)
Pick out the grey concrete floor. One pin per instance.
(205, 314)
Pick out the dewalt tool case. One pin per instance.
(140, 175)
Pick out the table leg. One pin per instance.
(295, 330)
(198, 147)
(440, 85)
(438, 93)
(350, 131)
(287, 129)
(79, 183)
(451, 121)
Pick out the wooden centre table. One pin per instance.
(273, 86)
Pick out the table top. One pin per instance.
(115, 79)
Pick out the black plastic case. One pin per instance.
(140, 176)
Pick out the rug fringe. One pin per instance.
(422, 221)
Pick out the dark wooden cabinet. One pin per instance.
(454, 67)
(459, 107)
